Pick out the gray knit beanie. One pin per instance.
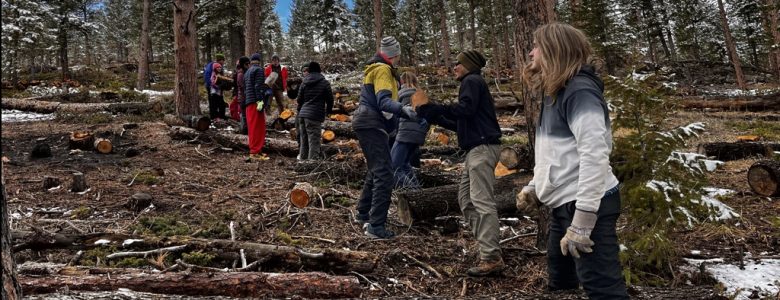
(390, 46)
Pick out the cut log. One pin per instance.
(443, 138)
(41, 150)
(234, 284)
(419, 98)
(103, 146)
(764, 102)
(354, 170)
(428, 203)
(199, 123)
(340, 117)
(328, 136)
(41, 105)
(302, 194)
(515, 157)
(79, 183)
(341, 129)
(286, 114)
(726, 151)
(138, 201)
(50, 182)
(428, 151)
(82, 140)
(764, 178)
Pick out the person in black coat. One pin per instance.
(315, 100)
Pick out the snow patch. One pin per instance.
(128, 242)
(156, 93)
(724, 212)
(102, 242)
(12, 116)
(759, 277)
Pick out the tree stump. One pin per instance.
(50, 182)
(130, 152)
(41, 150)
(79, 183)
(103, 146)
(82, 140)
(443, 138)
(328, 136)
(764, 178)
(138, 201)
(302, 194)
(726, 151)
(515, 157)
(199, 123)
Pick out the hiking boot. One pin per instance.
(257, 156)
(487, 268)
(360, 220)
(378, 232)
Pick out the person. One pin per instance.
(474, 119)
(216, 97)
(372, 120)
(257, 98)
(209, 68)
(315, 99)
(572, 174)
(236, 112)
(411, 135)
(280, 85)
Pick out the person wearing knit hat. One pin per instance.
(239, 94)
(376, 116)
(280, 84)
(474, 119)
(216, 96)
(255, 102)
(315, 102)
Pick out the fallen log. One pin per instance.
(352, 170)
(738, 104)
(727, 151)
(199, 123)
(234, 284)
(764, 178)
(428, 203)
(103, 146)
(302, 194)
(515, 157)
(328, 136)
(341, 129)
(37, 104)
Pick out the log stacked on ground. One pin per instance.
(302, 194)
(103, 146)
(81, 140)
(41, 105)
(764, 178)
(515, 157)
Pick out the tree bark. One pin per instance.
(11, 288)
(302, 194)
(143, 51)
(199, 123)
(759, 103)
(727, 151)
(732, 49)
(103, 146)
(62, 40)
(378, 23)
(234, 284)
(516, 157)
(39, 105)
(445, 35)
(252, 27)
(472, 23)
(429, 203)
(78, 183)
(764, 178)
(186, 90)
(771, 13)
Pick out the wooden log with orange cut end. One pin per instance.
(82, 140)
(443, 138)
(502, 170)
(286, 114)
(340, 117)
(328, 136)
(419, 98)
(199, 123)
(103, 146)
(515, 157)
(764, 178)
(302, 194)
(748, 138)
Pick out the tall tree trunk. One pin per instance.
(186, 91)
(62, 40)
(378, 23)
(472, 23)
(413, 47)
(669, 37)
(731, 47)
(236, 43)
(507, 42)
(574, 10)
(770, 14)
(11, 288)
(252, 27)
(496, 57)
(529, 15)
(445, 36)
(143, 53)
(87, 41)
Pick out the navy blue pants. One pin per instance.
(374, 201)
(402, 154)
(599, 272)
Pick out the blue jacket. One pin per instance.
(315, 97)
(410, 131)
(380, 89)
(255, 86)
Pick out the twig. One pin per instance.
(145, 253)
(197, 149)
(424, 265)
(463, 289)
(409, 285)
(134, 177)
(243, 259)
(232, 231)
(314, 238)
(516, 237)
(371, 283)
(76, 258)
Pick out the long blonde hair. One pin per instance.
(563, 50)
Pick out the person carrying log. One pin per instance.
(315, 99)
(411, 135)
(216, 92)
(257, 98)
(374, 118)
(280, 84)
(572, 174)
(474, 119)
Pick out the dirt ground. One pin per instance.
(204, 189)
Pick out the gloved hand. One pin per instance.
(577, 238)
(526, 201)
(408, 112)
(260, 105)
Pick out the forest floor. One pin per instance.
(199, 192)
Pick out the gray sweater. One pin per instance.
(573, 143)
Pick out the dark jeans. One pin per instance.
(401, 155)
(309, 138)
(216, 106)
(375, 199)
(242, 126)
(599, 272)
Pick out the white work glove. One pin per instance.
(260, 105)
(577, 238)
(526, 201)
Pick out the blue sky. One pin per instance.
(283, 10)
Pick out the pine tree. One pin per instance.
(25, 33)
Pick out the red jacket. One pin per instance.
(283, 75)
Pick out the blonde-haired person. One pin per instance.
(411, 135)
(572, 173)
